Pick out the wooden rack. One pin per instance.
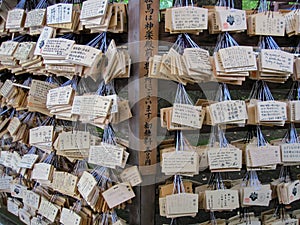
(142, 211)
(144, 29)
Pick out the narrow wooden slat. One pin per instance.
(142, 37)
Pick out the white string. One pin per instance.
(178, 3)
(181, 96)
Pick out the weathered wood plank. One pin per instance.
(142, 37)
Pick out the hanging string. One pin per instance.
(215, 181)
(297, 49)
(261, 141)
(263, 6)
(267, 42)
(22, 38)
(285, 174)
(251, 180)
(114, 216)
(79, 167)
(213, 220)
(21, 4)
(226, 3)
(184, 41)
(294, 93)
(245, 215)
(50, 158)
(27, 82)
(181, 96)
(83, 87)
(223, 93)
(295, 5)
(53, 80)
(73, 82)
(221, 3)
(50, 121)
(251, 133)
(6, 111)
(181, 3)
(102, 176)
(261, 91)
(100, 42)
(43, 4)
(181, 143)
(225, 40)
(280, 212)
(32, 150)
(109, 135)
(217, 135)
(178, 186)
(77, 206)
(291, 135)
(106, 89)
(69, 36)
(254, 181)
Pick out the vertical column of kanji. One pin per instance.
(143, 29)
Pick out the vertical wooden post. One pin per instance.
(143, 29)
